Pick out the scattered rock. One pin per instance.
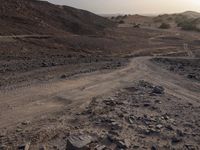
(63, 76)
(176, 140)
(114, 132)
(100, 147)
(109, 102)
(112, 138)
(116, 126)
(44, 64)
(169, 127)
(145, 84)
(154, 147)
(191, 147)
(42, 147)
(131, 119)
(24, 146)
(78, 142)
(123, 144)
(146, 104)
(191, 76)
(158, 101)
(26, 122)
(158, 90)
(19, 130)
(179, 132)
(136, 146)
(159, 126)
(166, 117)
(3, 147)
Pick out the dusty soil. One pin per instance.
(114, 107)
(76, 81)
(25, 58)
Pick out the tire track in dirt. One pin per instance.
(43, 99)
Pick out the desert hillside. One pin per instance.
(188, 20)
(191, 14)
(31, 16)
(72, 80)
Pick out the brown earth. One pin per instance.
(99, 87)
(48, 113)
(40, 17)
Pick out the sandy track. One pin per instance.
(43, 99)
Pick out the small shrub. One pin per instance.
(125, 16)
(188, 25)
(180, 18)
(121, 22)
(157, 20)
(164, 26)
(136, 26)
(118, 17)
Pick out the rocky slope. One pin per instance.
(32, 16)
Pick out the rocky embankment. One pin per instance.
(141, 116)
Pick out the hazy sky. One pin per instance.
(132, 6)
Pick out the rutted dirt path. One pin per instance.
(37, 100)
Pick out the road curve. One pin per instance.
(28, 103)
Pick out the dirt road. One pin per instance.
(29, 103)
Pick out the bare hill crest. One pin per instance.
(32, 16)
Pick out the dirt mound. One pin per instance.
(32, 16)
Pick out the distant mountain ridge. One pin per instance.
(188, 20)
(191, 14)
(33, 16)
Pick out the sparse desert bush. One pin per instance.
(188, 25)
(157, 19)
(125, 16)
(121, 22)
(169, 18)
(118, 17)
(136, 26)
(165, 26)
(180, 18)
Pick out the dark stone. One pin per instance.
(191, 147)
(146, 105)
(169, 127)
(176, 140)
(63, 76)
(3, 147)
(124, 144)
(100, 147)
(191, 76)
(109, 102)
(157, 101)
(145, 84)
(42, 147)
(179, 132)
(78, 142)
(44, 65)
(116, 126)
(24, 146)
(154, 147)
(158, 90)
